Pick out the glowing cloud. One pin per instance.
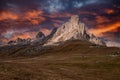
(35, 17)
(105, 28)
(101, 19)
(109, 11)
(45, 31)
(8, 15)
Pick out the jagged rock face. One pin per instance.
(95, 40)
(23, 41)
(48, 37)
(70, 30)
(40, 35)
(12, 42)
(19, 41)
(74, 29)
(51, 34)
(39, 38)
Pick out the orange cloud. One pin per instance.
(24, 36)
(35, 22)
(33, 14)
(31, 35)
(101, 19)
(109, 11)
(35, 17)
(45, 31)
(4, 40)
(105, 28)
(8, 15)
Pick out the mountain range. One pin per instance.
(71, 30)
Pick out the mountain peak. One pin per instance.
(74, 19)
(73, 30)
(40, 35)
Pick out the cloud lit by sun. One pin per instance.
(100, 16)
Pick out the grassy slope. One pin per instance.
(74, 60)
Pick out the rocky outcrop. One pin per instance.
(20, 41)
(43, 39)
(11, 42)
(51, 34)
(40, 36)
(72, 30)
(96, 40)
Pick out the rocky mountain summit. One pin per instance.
(73, 30)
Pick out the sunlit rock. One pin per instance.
(72, 30)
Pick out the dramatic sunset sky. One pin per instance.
(24, 18)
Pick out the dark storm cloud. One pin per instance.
(48, 5)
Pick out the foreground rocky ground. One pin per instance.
(71, 61)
